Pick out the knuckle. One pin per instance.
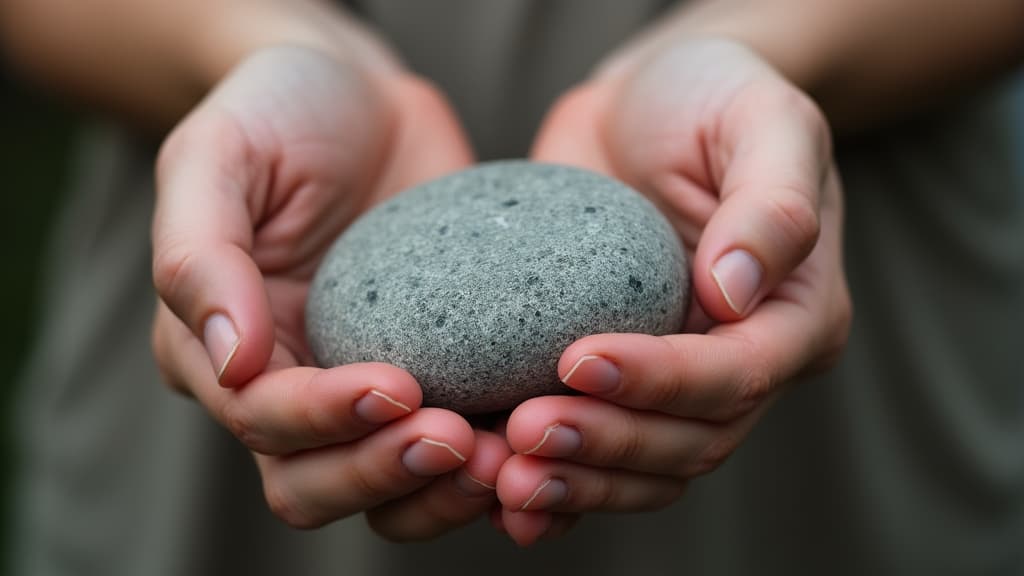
(713, 455)
(239, 422)
(625, 447)
(320, 428)
(797, 217)
(753, 389)
(668, 391)
(371, 485)
(172, 263)
(286, 507)
(603, 494)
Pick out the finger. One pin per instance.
(570, 135)
(597, 433)
(526, 528)
(423, 116)
(312, 488)
(202, 236)
(450, 501)
(716, 377)
(532, 484)
(291, 408)
(707, 377)
(776, 147)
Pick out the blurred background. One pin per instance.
(36, 132)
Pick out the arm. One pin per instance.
(297, 120)
(151, 60)
(862, 61)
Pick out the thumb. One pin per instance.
(776, 149)
(202, 237)
(429, 141)
(570, 134)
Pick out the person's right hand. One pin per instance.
(252, 188)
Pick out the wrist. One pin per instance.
(233, 30)
(779, 37)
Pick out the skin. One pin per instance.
(275, 193)
(280, 110)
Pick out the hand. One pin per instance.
(739, 160)
(253, 186)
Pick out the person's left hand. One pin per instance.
(739, 160)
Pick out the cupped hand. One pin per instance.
(739, 161)
(252, 187)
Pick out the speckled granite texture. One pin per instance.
(476, 283)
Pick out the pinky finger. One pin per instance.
(526, 528)
(448, 502)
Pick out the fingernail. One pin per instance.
(738, 275)
(430, 457)
(471, 485)
(593, 374)
(551, 492)
(221, 341)
(558, 442)
(377, 407)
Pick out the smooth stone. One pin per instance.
(476, 283)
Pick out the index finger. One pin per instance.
(288, 408)
(727, 372)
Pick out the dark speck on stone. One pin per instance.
(636, 285)
(490, 360)
(442, 230)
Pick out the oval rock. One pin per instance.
(476, 282)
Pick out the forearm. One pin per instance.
(864, 60)
(151, 60)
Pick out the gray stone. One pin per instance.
(475, 283)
